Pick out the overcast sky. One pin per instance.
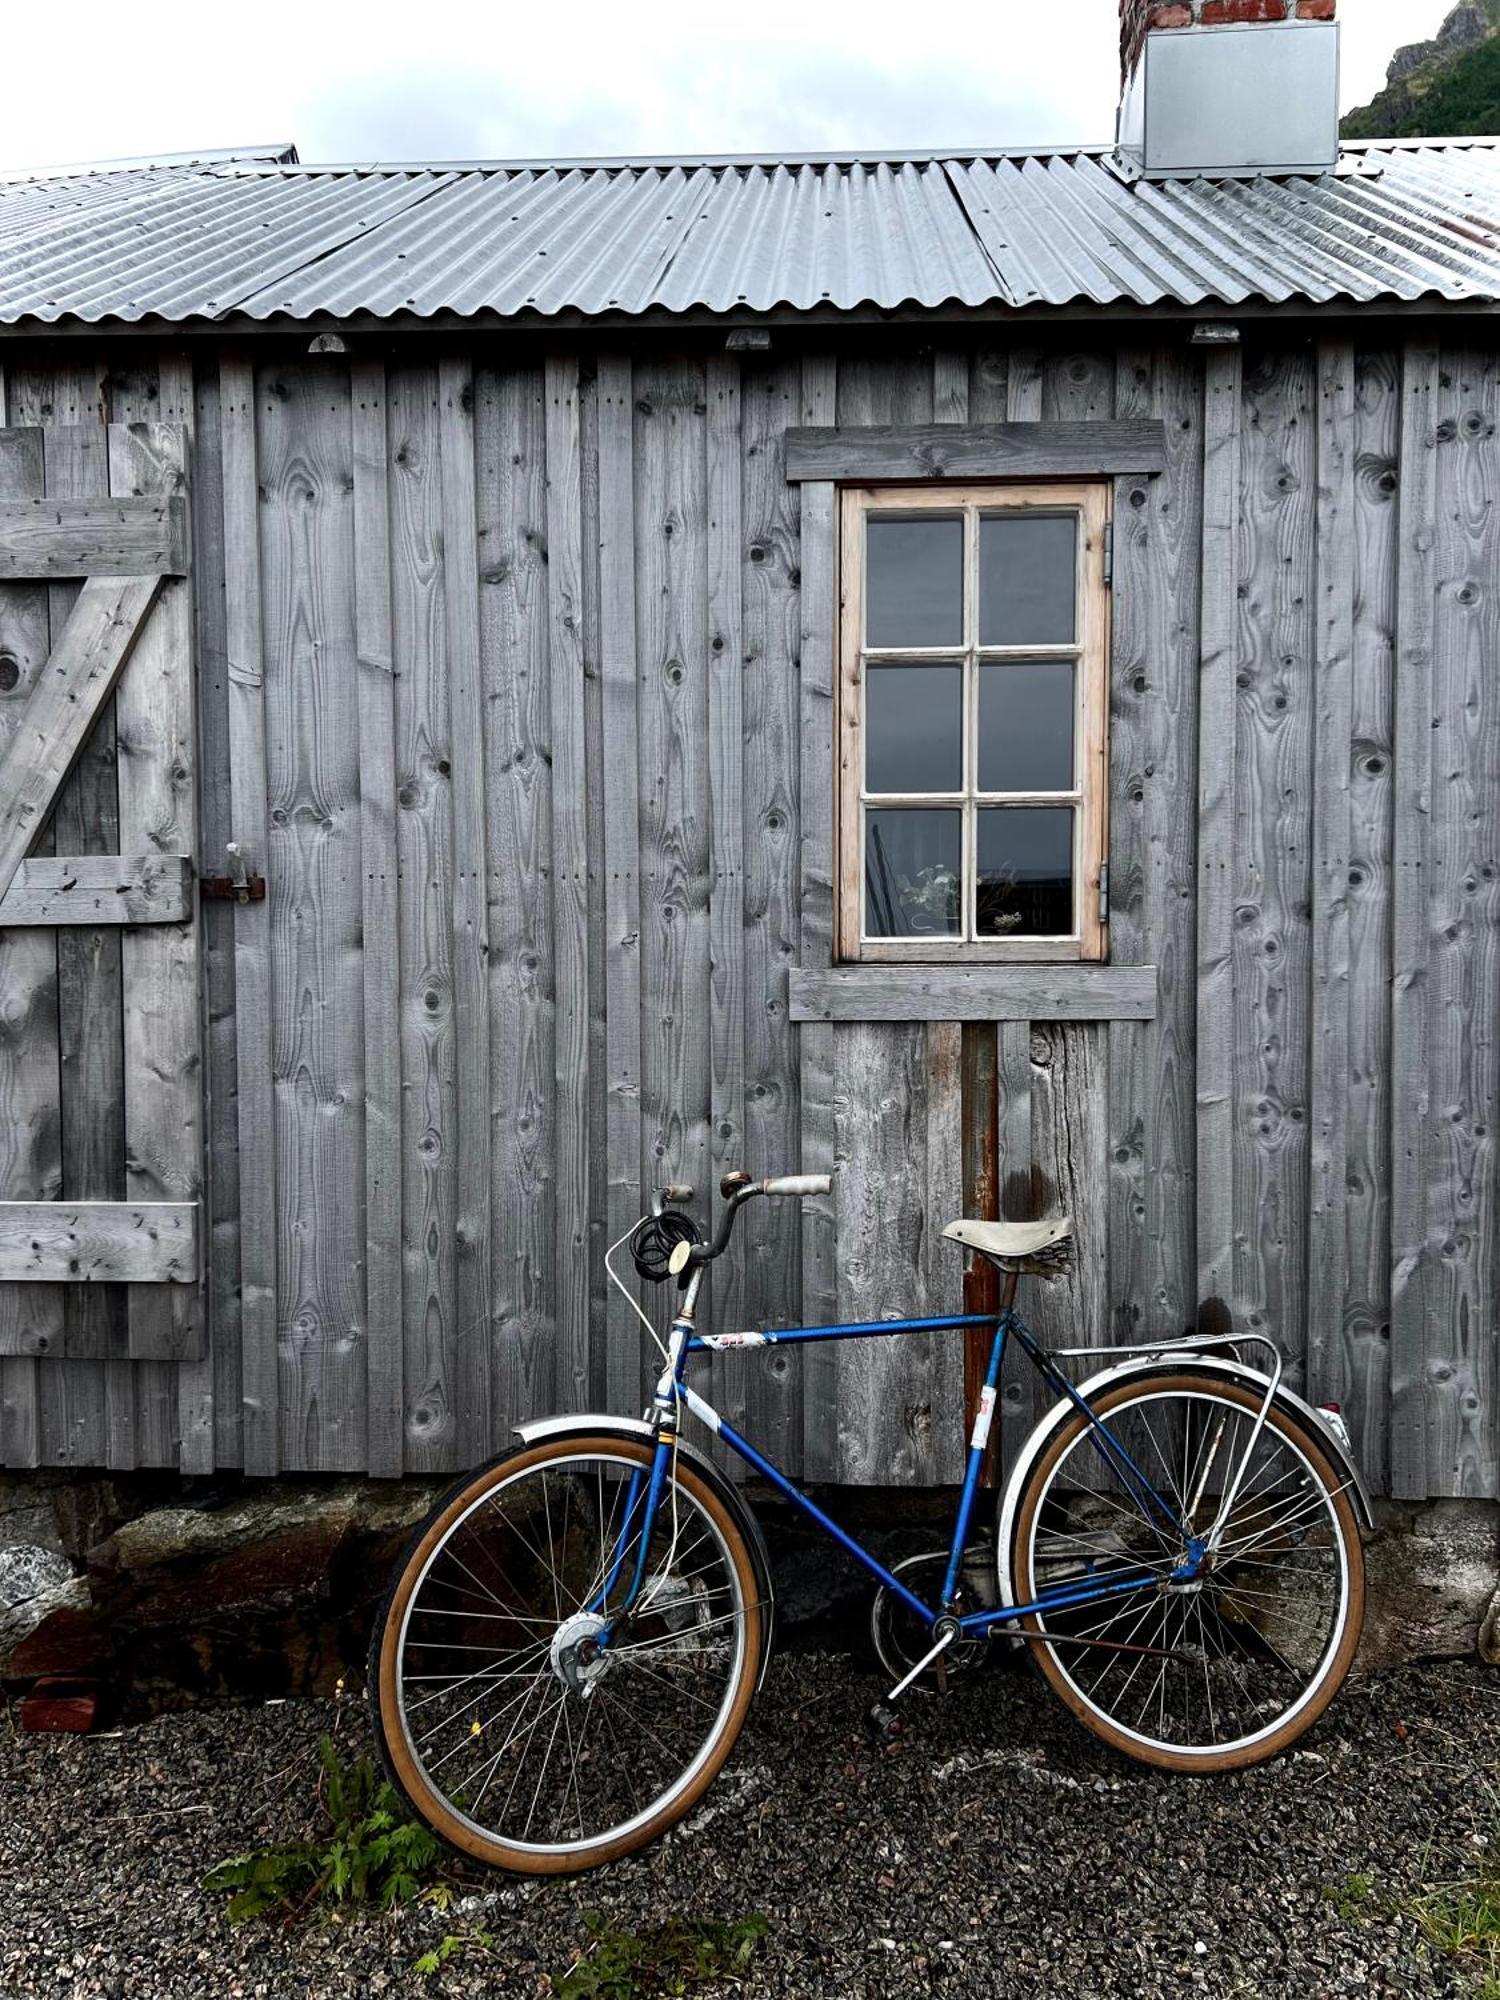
(450, 79)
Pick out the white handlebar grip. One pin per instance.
(796, 1184)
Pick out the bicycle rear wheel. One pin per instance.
(1231, 1667)
(525, 1719)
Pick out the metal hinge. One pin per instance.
(238, 886)
(1109, 554)
(1104, 892)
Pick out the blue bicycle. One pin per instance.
(571, 1642)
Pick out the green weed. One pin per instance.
(1349, 1896)
(671, 1959)
(455, 1945)
(370, 1852)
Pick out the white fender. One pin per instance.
(1312, 1418)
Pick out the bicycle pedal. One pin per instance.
(885, 1724)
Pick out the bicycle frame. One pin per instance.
(674, 1394)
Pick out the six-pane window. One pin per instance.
(972, 714)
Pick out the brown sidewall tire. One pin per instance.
(405, 1771)
(1046, 1659)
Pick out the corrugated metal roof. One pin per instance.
(254, 234)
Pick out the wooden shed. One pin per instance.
(520, 683)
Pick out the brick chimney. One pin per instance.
(1228, 87)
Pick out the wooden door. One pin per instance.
(101, 1236)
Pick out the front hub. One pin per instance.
(577, 1657)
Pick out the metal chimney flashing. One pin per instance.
(1232, 102)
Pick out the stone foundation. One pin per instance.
(170, 1591)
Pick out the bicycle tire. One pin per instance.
(1059, 1663)
(392, 1634)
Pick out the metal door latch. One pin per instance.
(238, 886)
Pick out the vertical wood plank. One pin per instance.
(1023, 386)
(1363, 1375)
(1131, 924)
(316, 901)
(26, 1026)
(597, 1105)
(671, 509)
(726, 910)
(252, 933)
(424, 835)
(1069, 1153)
(196, 1398)
(819, 624)
(216, 827)
(950, 386)
(476, 1330)
(770, 401)
(569, 875)
(510, 444)
(156, 727)
(1216, 717)
(139, 1397)
(1463, 937)
(1271, 887)
(1153, 855)
(1333, 712)
(380, 924)
(989, 394)
(622, 907)
(1411, 892)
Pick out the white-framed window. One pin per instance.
(973, 711)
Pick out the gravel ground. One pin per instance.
(996, 1850)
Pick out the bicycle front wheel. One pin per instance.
(525, 1714)
(1209, 1664)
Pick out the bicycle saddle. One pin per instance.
(1011, 1242)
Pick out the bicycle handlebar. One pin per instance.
(738, 1188)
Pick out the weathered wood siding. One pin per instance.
(514, 678)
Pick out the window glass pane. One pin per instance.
(914, 722)
(914, 582)
(1028, 580)
(913, 861)
(1025, 871)
(1026, 726)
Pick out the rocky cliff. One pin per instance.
(1441, 88)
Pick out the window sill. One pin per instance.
(974, 993)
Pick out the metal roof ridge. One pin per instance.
(272, 154)
(642, 162)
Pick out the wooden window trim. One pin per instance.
(1092, 501)
(1089, 448)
